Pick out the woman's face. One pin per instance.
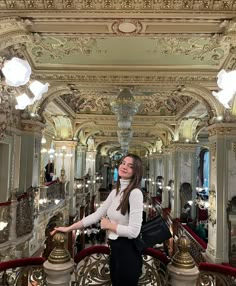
(126, 170)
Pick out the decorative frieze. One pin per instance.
(125, 77)
(100, 5)
(222, 129)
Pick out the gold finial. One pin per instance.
(59, 254)
(182, 258)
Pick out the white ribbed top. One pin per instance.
(128, 225)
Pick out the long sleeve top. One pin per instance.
(128, 225)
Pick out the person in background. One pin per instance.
(121, 216)
(49, 171)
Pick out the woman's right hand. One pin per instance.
(61, 229)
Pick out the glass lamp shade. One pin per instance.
(16, 71)
(38, 89)
(224, 96)
(22, 101)
(226, 80)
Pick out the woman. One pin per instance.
(123, 208)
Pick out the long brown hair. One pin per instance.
(135, 182)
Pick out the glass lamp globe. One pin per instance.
(22, 101)
(16, 71)
(38, 89)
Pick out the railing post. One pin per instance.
(182, 269)
(59, 265)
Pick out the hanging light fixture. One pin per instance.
(16, 71)
(226, 82)
(17, 74)
(124, 106)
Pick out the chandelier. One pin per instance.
(124, 138)
(17, 74)
(124, 106)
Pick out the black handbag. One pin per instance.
(154, 231)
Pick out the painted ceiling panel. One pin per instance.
(161, 51)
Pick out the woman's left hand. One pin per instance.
(105, 223)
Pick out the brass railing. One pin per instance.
(93, 267)
(196, 249)
(216, 275)
(23, 272)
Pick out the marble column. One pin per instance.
(222, 138)
(91, 162)
(80, 161)
(184, 170)
(66, 160)
(30, 154)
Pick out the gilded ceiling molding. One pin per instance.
(50, 124)
(64, 107)
(186, 130)
(91, 134)
(110, 77)
(201, 48)
(53, 92)
(160, 136)
(200, 129)
(101, 6)
(13, 31)
(127, 27)
(79, 126)
(58, 48)
(167, 127)
(205, 96)
(107, 141)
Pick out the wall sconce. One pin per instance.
(17, 74)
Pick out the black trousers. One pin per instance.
(125, 262)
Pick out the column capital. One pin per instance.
(156, 155)
(180, 146)
(222, 129)
(32, 126)
(60, 143)
(81, 147)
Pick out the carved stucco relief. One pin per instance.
(207, 5)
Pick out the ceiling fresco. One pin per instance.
(167, 53)
(164, 51)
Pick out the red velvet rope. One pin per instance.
(157, 254)
(5, 204)
(105, 250)
(196, 237)
(218, 268)
(22, 262)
